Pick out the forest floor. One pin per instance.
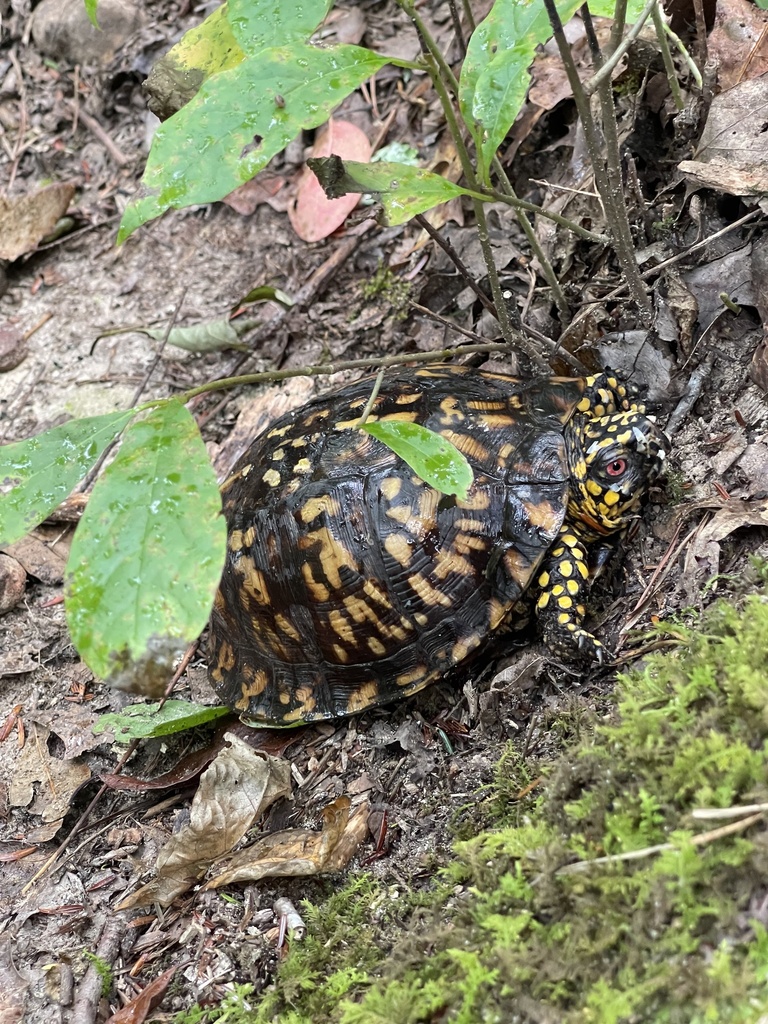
(452, 765)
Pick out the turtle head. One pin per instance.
(612, 461)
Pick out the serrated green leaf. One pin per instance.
(257, 24)
(239, 120)
(494, 77)
(143, 721)
(147, 554)
(36, 475)
(404, 190)
(438, 462)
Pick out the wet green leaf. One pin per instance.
(36, 475)
(147, 554)
(142, 721)
(205, 50)
(239, 120)
(257, 24)
(404, 191)
(494, 77)
(438, 462)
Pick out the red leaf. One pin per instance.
(314, 216)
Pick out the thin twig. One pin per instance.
(328, 369)
(604, 72)
(372, 397)
(546, 267)
(699, 840)
(613, 199)
(96, 130)
(683, 49)
(457, 261)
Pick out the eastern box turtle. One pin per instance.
(349, 582)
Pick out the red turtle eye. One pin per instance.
(616, 468)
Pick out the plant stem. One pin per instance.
(546, 267)
(430, 45)
(682, 49)
(457, 261)
(436, 66)
(669, 66)
(326, 369)
(613, 199)
(591, 86)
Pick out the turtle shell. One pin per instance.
(348, 581)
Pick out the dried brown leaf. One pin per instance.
(25, 220)
(137, 1011)
(237, 787)
(314, 216)
(733, 151)
(301, 851)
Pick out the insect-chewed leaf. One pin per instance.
(240, 119)
(36, 475)
(438, 462)
(147, 555)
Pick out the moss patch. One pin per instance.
(544, 918)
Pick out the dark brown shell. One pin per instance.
(348, 581)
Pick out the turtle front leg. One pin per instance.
(564, 581)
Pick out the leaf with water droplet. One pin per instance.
(438, 462)
(147, 555)
(494, 77)
(232, 128)
(257, 24)
(36, 475)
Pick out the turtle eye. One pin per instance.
(616, 468)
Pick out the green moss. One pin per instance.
(397, 292)
(598, 902)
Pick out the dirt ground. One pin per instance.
(70, 117)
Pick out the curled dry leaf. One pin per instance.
(738, 42)
(732, 155)
(137, 1011)
(44, 784)
(314, 216)
(240, 785)
(25, 220)
(703, 555)
(301, 851)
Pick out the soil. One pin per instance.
(422, 762)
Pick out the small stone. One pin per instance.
(13, 348)
(62, 29)
(13, 581)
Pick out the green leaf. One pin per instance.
(438, 462)
(90, 10)
(257, 24)
(205, 50)
(142, 721)
(147, 554)
(404, 190)
(239, 120)
(36, 475)
(494, 77)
